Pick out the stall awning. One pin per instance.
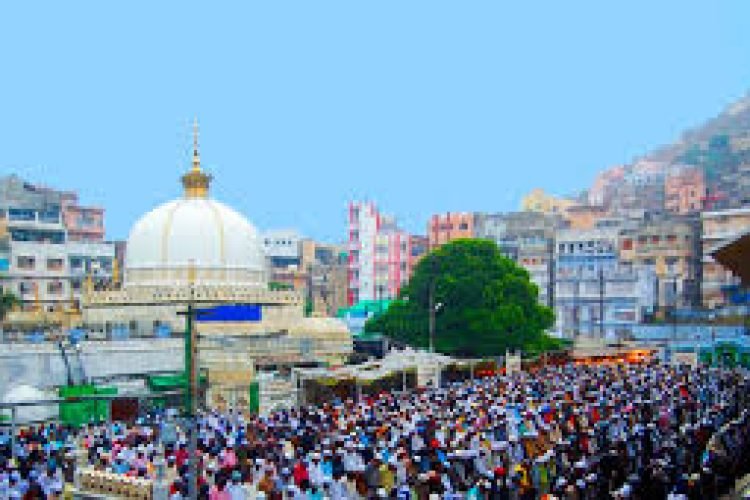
(735, 256)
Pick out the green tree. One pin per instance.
(486, 304)
(7, 301)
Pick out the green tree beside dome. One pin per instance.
(485, 304)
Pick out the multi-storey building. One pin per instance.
(43, 264)
(669, 247)
(420, 245)
(317, 270)
(327, 287)
(584, 216)
(443, 228)
(684, 189)
(594, 294)
(528, 239)
(733, 187)
(718, 228)
(605, 185)
(84, 223)
(283, 248)
(380, 257)
(539, 201)
(639, 189)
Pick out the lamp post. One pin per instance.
(191, 390)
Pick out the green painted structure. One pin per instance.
(254, 397)
(365, 308)
(83, 412)
(728, 354)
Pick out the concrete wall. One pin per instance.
(42, 366)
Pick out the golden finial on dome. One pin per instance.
(196, 181)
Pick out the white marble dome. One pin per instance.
(194, 239)
(218, 243)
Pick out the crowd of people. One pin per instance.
(576, 431)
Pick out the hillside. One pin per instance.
(719, 148)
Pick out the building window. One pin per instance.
(21, 214)
(54, 264)
(655, 239)
(627, 244)
(463, 226)
(55, 287)
(671, 238)
(87, 219)
(25, 287)
(24, 262)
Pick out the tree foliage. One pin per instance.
(7, 302)
(486, 304)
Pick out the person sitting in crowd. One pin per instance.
(576, 431)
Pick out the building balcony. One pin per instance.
(666, 250)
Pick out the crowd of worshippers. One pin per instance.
(579, 432)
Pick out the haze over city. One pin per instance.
(424, 107)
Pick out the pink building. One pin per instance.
(684, 190)
(443, 228)
(82, 223)
(380, 254)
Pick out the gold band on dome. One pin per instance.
(166, 230)
(220, 223)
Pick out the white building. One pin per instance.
(283, 247)
(528, 238)
(39, 263)
(594, 295)
(380, 257)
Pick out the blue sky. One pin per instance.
(423, 106)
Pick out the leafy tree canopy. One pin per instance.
(7, 301)
(486, 304)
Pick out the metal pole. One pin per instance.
(432, 314)
(13, 418)
(674, 315)
(576, 312)
(601, 303)
(191, 362)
